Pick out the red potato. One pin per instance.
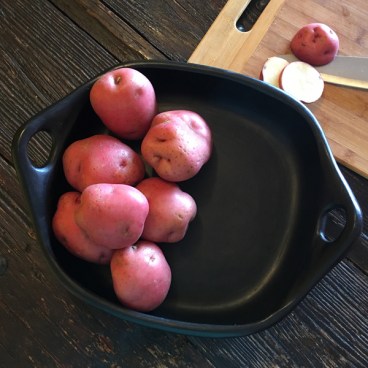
(302, 81)
(272, 69)
(112, 215)
(177, 145)
(141, 276)
(315, 44)
(170, 210)
(125, 101)
(101, 159)
(71, 236)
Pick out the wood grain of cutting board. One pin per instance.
(342, 111)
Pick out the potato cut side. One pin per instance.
(272, 70)
(302, 81)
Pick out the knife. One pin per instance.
(351, 71)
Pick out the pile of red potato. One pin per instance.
(117, 214)
(315, 44)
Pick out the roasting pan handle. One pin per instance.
(326, 252)
(56, 121)
(341, 200)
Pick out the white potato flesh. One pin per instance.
(302, 81)
(272, 70)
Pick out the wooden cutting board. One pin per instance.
(342, 111)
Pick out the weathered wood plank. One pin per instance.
(110, 31)
(318, 333)
(32, 77)
(174, 27)
(15, 86)
(70, 58)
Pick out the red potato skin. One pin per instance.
(125, 101)
(170, 210)
(70, 234)
(112, 215)
(315, 43)
(101, 159)
(141, 276)
(177, 145)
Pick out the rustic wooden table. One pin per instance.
(48, 48)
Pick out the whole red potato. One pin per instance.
(112, 215)
(141, 276)
(71, 236)
(177, 145)
(101, 159)
(125, 101)
(170, 210)
(315, 44)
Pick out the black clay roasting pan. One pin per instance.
(258, 244)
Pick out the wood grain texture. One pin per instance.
(224, 45)
(109, 30)
(33, 77)
(24, 38)
(300, 339)
(46, 50)
(341, 111)
(172, 26)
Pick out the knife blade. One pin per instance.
(351, 71)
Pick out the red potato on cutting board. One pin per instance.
(315, 43)
(272, 69)
(170, 210)
(177, 145)
(125, 101)
(112, 215)
(71, 236)
(302, 81)
(141, 276)
(101, 159)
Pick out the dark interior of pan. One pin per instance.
(257, 245)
